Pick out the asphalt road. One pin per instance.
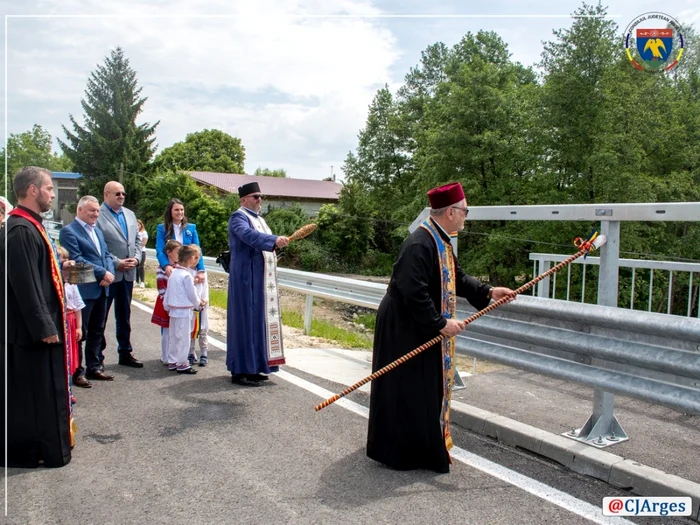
(157, 447)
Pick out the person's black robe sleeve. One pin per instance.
(22, 247)
(412, 272)
(471, 288)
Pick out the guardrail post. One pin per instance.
(308, 312)
(543, 285)
(602, 428)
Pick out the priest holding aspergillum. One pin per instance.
(409, 419)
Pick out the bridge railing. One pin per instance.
(648, 356)
(548, 287)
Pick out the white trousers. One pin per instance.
(179, 340)
(164, 345)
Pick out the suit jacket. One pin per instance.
(189, 236)
(119, 246)
(76, 240)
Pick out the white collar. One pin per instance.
(85, 224)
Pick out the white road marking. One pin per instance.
(534, 487)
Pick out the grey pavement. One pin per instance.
(157, 447)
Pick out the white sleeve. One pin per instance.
(166, 296)
(192, 294)
(79, 304)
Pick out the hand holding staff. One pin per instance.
(593, 243)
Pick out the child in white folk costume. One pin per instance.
(200, 328)
(160, 316)
(179, 300)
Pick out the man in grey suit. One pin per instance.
(118, 224)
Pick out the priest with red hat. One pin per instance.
(409, 418)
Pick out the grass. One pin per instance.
(327, 330)
(368, 321)
(218, 297)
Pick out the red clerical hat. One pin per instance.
(446, 195)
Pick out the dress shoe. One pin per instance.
(258, 377)
(189, 370)
(99, 376)
(130, 360)
(82, 382)
(242, 379)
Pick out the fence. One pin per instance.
(543, 261)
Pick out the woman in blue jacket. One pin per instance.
(175, 226)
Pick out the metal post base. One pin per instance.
(458, 383)
(602, 428)
(598, 434)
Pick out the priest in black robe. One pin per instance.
(38, 412)
(409, 405)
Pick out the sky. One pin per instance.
(293, 80)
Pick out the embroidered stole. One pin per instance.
(273, 313)
(449, 304)
(58, 286)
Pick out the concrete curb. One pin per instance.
(615, 470)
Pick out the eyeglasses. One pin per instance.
(120, 193)
(256, 197)
(464, 210)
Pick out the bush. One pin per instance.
(285, 221)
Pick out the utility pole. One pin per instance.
(121, 173)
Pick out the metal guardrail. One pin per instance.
(648, 356)
(543, 261)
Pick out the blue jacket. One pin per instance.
(80, 248)
(189, 236)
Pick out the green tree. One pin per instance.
(31, 148)
(206, 150)
(266, 172)
(208, 213)
(110, 137)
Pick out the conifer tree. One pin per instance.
(110, 137)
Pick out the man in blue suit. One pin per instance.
(86, 244)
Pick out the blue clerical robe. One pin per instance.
(246, 339)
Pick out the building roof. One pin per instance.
(65, 175)
(272, 186)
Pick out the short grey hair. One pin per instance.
(84, 200)
(26, 177)
(438, 212)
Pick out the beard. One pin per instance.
(44, 204)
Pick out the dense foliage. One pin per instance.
(581, 126)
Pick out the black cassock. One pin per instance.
(404, 417)
(37, 389)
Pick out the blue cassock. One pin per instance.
(246, 340)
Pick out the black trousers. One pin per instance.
(94, 319)
(120, 294)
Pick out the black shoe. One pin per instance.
(187, 371)
(258, 377)
(130, 360)
(244, 380)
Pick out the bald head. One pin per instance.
(114, 195)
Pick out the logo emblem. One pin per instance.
(654, 42)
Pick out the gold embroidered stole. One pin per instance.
(448, 306)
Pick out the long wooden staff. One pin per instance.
(593, 243)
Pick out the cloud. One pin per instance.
(294, 86)
(322, 71)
